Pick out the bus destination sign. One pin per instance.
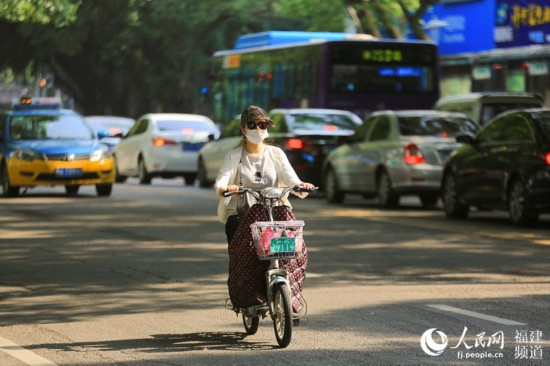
(382, 55)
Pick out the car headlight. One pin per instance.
(100, 154)
(28, 155)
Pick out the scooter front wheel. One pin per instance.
(250, 323)
(282, 317)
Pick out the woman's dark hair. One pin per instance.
(253, 113)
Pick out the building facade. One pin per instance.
(493, 45)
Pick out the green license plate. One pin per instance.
(281, 245)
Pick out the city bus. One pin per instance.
(324, 70)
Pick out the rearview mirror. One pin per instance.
(466, 139)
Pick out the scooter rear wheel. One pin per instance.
(282, 317)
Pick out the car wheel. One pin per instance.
(144, 177)
(333, 193)
(429, 199)
(518, 207)
(72, 190)
(7, 189)
(385, 194)
(103, 190)
(451, 204)
(203, 178)
(189, 179)
(119, 178)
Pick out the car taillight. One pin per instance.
(413, 155)
(295, 144)
(547, 158)
(162, 141)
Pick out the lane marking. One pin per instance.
(23, 355)
(473, 314)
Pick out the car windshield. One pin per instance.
(323, 122)
(179, 125)
(36, 127)
(435, 126)
(544, 121)
(491, 110)
(108, 124)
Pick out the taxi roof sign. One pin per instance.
(27, 103)
(25, 100)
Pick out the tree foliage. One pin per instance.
(57, 12)
(131, 57)
(311, 15)
(389, 18)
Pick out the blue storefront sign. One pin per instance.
(470, 26)
(522, 23)
(467, 26)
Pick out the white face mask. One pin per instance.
(256, 136)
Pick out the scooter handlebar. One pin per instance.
(243, 190)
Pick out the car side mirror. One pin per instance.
(211, 137)
(466, 139)
(102, 134)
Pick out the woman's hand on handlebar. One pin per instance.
(227, 190)
(304, 188)
(231, 188)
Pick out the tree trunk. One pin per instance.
(355, 19)
(369, 21)
(389, 25)
(414, 19)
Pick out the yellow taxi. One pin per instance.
(42, 144)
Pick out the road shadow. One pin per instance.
(162, 343)
(109, 255)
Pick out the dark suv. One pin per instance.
(505, 166)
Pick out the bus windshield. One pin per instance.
(381, 68)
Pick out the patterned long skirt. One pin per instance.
(246, 282)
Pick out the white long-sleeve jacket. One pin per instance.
(286, 176)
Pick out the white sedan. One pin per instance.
(164, 145)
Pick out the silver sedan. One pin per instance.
(395, 153)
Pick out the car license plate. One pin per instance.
(282, 245)
(192, 146)
(68, 172)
